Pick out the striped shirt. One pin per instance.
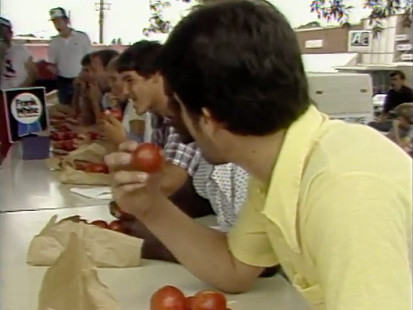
(183, 155)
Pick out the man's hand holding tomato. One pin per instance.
(133, 190)
(113, 129)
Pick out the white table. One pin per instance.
(30, 185)
(132, 287)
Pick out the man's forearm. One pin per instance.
(199, 248)
(173, 178)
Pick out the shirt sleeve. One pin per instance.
(87, 44)
(247, 239)
(359, 235)
(186, 156)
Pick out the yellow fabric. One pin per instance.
(337, 215)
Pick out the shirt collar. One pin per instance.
(282, 197)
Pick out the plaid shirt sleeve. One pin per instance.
(186, 156)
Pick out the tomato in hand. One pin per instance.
(147, 157)
(168, 298)
(209, 300)
(116, 113)
(116, 226)
(100, 223)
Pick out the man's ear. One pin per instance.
(155, 78)
(208, 123)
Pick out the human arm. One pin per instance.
(87, 45)
(359, 243)
(113, 129)
(94, 95)
(181, 161)
(31, 73)
(200, 249)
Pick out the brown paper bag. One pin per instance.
(78, 177)
(93, 153)
(107, 248)
(72, 283)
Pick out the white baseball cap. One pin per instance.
(57, 13)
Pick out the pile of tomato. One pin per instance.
(172, 298)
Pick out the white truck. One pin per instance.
(346, 96)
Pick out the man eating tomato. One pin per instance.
(141, 81)
(330, 201)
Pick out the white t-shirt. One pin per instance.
(14, 71)
(130, 115)
(67, 53)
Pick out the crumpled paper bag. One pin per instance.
(72, 282)
(70, 175)
(93, 153)
(107, 248)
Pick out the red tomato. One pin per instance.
(116, 113)
(168, 298)
(93, 135)
(68, 146)
(97, 168)
(209, 300)
(70, 135)
(116, 226)
(80, 164)
(147, 157)
(57, 136)
(63, 128)
(189, 302)
(100, 223)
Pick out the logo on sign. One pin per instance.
(26, 108)
(360, 38)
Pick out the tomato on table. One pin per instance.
(116, 226)
(168, 298)
(100, 223)
(209, 300)
(97, 168)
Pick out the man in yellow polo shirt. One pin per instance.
(331, 202)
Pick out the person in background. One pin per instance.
(398, 94)
(18, 68)
(133, 125)
(401, 132)
(333, 210)
(143, 84)
(66, 51)
(97, 80)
